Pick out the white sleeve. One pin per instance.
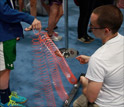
(96, 70)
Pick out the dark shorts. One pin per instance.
(50, 2)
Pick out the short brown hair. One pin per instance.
(109, 16)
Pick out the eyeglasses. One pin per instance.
(96, 28)
(91, 27)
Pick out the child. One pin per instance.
(10, 29)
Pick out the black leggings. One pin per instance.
(86, 7)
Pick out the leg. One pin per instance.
(52, 18)
(60, 14)
(21, 5)
(7, 57)
(85, 8)
(54, 10)
(4, 81)
(83, 18)
(81, 102)
(33, 12)
(5, 92)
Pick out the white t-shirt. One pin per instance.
(107, 65)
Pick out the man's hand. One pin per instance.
(84, 82)
(36, 25)
(83, 59)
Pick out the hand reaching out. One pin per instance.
(83, 59)
(36, 25)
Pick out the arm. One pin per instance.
(91, 89)
(93, 81)
(36, 25)
(83, 59)
(9, 15)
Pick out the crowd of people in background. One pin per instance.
(54, 10)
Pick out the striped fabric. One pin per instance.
(2, 62)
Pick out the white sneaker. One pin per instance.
(56, 37)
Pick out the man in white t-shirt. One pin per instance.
(103, 85)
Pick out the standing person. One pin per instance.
(46, 5)
(10, 28)
(85, 8)
(103, 85)
(55, 11)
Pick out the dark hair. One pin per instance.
(109, 16)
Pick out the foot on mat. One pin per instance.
(55, 37)
(11, 103)
(17, 98)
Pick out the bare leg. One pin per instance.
(21, 5)
(4, 79)
(54, 9)
(60, 13)
(33, 12)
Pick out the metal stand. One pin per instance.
(69, 53)
(65, 51)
